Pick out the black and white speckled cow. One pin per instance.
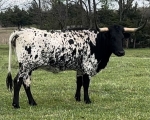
(85, 51)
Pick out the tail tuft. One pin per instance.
(9, 82)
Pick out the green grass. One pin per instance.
(120, 92)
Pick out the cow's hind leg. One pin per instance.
(17, 85)
(20, 79)
(86, 82)
(31, 101)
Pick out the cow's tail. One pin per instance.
(9, 80)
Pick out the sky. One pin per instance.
(141, 3)
(22, 3)
(7, 3)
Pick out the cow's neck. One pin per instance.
(103, 51)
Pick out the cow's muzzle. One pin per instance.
(120, 53)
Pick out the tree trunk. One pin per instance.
(40, 13)
(120, 10)
(94, 5)
(127, 43)
(82, 17)
(66, 20)
(90, 14)
(134, 43)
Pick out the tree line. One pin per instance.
(62, 14)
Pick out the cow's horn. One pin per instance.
(126, 29)
(104, 29)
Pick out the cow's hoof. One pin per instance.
(33, 103)
(87, 101)
(77, 97)
(16, 106)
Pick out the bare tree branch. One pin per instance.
(4, 5)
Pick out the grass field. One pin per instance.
(5, 33)
(120, 92)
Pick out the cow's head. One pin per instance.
(116, 35)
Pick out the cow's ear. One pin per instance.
(127, 35)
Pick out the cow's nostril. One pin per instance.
(121, 53)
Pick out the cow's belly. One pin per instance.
(57, 69)
(86, 68)
(58, 64)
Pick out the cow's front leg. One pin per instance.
(31, 101)
(78, 89)
(17, 85)
(86, 82)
